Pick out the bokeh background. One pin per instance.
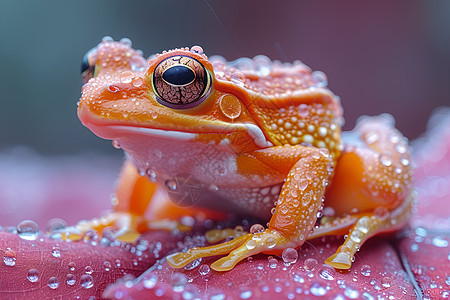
(383, 56)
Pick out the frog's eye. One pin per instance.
(181, 82)
(88, 65)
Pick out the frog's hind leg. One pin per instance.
(372, 180)
(360, 227)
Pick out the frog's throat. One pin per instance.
(112, 132)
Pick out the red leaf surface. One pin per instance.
(415, 262)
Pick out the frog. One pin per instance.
(203, 136)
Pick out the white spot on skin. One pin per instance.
(265, 190)
(275, 190)
(308, 138)
(322, 131)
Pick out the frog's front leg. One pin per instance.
(308, 171)
(138, 207)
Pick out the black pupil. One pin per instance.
(178, 75)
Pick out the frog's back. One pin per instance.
(290, 103)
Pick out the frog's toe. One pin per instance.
(167, 225)
(217, 235)
(270, 241)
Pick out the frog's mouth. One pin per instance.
(114, 131)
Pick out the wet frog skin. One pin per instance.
(254, 137)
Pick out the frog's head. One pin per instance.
(182, 95)
(172, 95)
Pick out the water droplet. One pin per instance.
(263, 65)
(251, 244)
(230, 106)
(204, 270)
(421, 231)
(193, 264)
(320, 78)
(88, 270)
(351, 293)
(126, 41)
(327, 272)
(72, 266)
(151, 173)
(113, 88)
(256, 228)
(306, 198)
(270, 242)
(87, 281)
(56, 251)
(137, 81)
(302, 184)
(70, 279)
(238, 78)
(273, 263)
(381, 213)
(439, 242)
(116, 144)
(107, 265)
(386, 282)
(107, 39)
(318, 290)
(356, 236)
(150, 282)
(289, 255)
(56, 224)
(126, 77)
(246, 295)
(33, 275)
(178, 281)
(365, 270)
(53, 283)
(310, 264)
(9, 257)
(196, 49)
(404, 161)
(385, 160)
(28, 230)
(171, 184)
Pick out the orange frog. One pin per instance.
(254, 137)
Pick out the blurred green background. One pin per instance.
(384, 56)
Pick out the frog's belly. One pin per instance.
(198, 174)
(211, 164)
(248, 201)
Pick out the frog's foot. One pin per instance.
(269, 241)
(360, 227)
(117, 225)
(122, 226)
